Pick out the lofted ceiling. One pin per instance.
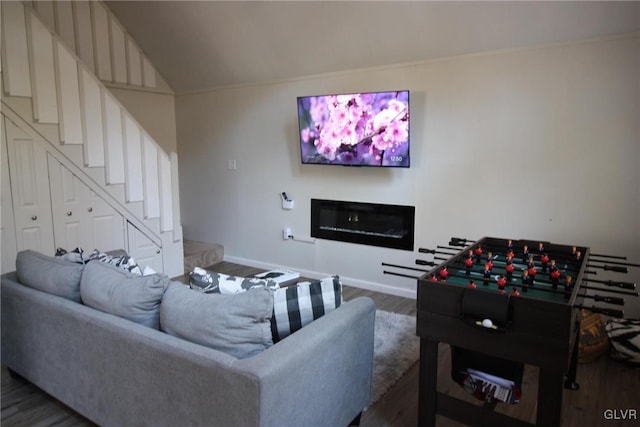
(200, 45)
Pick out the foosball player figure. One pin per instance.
(568, 286)
(574, 249)
(526, 280)
(578, 255)
(525, 253)
(510, 268)
(490, 260)
(444, 273)
(510, 246)
(502, 282)
(478, 253)
(432, 277)
(486, 275)
(471, 284)
(540, 248)
(515, 292)
(544, 259)
(531, 270)
(468, 262)
(554, 273)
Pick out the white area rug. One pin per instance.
(395, 349)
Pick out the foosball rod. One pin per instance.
(518, 285)
(611, 291)
(433, 251)
(615, 268)
(559, 257)
(423, 262)
(628, 264)
(609, 256)
(598, 298)
(608, 311)
(622, 285)
(458, 241)
(449, 248)
(400, 274)
(405, 267)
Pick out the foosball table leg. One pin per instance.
(570, 381)
(428, 378)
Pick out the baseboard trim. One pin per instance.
(351, 281)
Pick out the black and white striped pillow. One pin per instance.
(299, 305)
(625, 340)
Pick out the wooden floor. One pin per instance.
(605, 385)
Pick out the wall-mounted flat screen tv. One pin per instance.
(356, 129)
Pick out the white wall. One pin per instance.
(540, 143)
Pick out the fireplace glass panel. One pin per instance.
(390, 226)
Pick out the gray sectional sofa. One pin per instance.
(117, 372)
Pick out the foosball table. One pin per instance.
(512, 301)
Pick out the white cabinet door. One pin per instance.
(80, 217)
(29, 191)
(143, 250)
(7, 225)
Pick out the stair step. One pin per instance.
(201, 254)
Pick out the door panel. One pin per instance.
(29, 191)
(143, 249)
(81, 218)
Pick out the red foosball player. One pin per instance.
(502, 282)
(472, 285)
(526, 280)
(490, 260)
(486, 275)
(478, 253)
(433, 277)
(525, 253)
(468, 263)
(510, 268)
(444, 273)
(532, 272)
(515, 292)
(544, 260)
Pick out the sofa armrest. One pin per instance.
(321, 374)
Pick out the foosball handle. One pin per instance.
(616, 268)
(609, 300)
(423, 262)
(426, 251)
(607, 311)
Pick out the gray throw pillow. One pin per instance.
(118, 292)
(238, 325)
(49, 274)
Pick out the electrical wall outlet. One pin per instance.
(286, 233)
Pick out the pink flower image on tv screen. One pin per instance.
(358, 129)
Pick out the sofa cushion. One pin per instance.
(211, 282)
(299, 305)
(49, 274)
(238, 325)
(116, 291)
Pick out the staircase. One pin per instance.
(57, 98)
